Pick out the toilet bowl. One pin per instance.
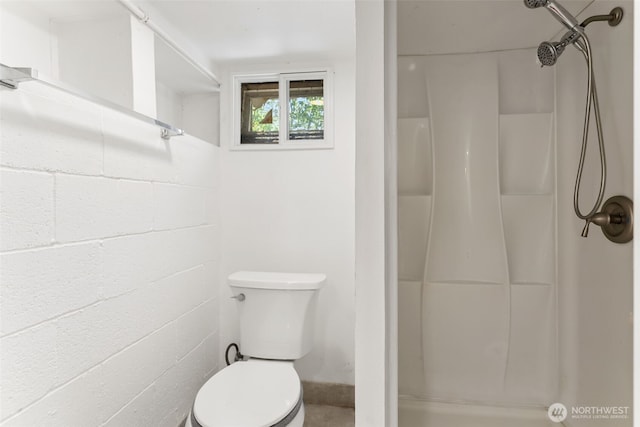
(255, 393)
(276, 313)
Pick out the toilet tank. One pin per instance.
(277, 313)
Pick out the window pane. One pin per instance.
(260, 113)
(306, 109)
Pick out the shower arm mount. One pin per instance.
(613, 18)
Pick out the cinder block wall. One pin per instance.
(108, 274)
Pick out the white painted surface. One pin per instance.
(169, 104)
(143, 68)
(201, 115)
(100, 49)
(293, 211)
(96, 57)
(109, 265)
(91, 207)
(35, 28)
(284, 28)
(27, 295)
(26, 209)
(372, 394)
(175, 71)
(195, 109)
(391, 210)
(167, 198)
(41, 134)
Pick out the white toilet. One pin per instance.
(276, 328)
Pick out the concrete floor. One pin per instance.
(328, 416)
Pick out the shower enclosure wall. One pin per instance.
(477, 227)
(501, 303)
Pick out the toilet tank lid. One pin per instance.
(271, 280)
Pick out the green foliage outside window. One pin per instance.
(306, 113)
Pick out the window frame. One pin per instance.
(283, 79)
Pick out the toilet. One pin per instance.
(276, 313)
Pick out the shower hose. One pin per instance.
(584, 46)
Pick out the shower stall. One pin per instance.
(504, 309)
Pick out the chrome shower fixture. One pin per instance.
(559, 12)
(549, 52)
(616, 217)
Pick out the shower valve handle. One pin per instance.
(615, 219)
(603, 218)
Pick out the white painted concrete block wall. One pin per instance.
(109, 265)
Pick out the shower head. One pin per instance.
(532, 4)
(559, 12)
(549, 52)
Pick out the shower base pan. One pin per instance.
(420, 413)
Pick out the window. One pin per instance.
(260, 112)
(282, 111)
(306, 109)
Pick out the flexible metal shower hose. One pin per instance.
(592, 98)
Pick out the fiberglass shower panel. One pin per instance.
(477, 228)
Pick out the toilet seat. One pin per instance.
(255, 393)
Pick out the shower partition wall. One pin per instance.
(477, 228)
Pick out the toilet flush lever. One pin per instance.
(239, 297)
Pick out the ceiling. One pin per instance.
(456, 26)
(264, 30)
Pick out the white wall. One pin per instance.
(595, 275)
(293, 211)
(109, 253)
(373, 342)
(35, 27)
(96, 57)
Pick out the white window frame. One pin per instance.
(283, 79)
